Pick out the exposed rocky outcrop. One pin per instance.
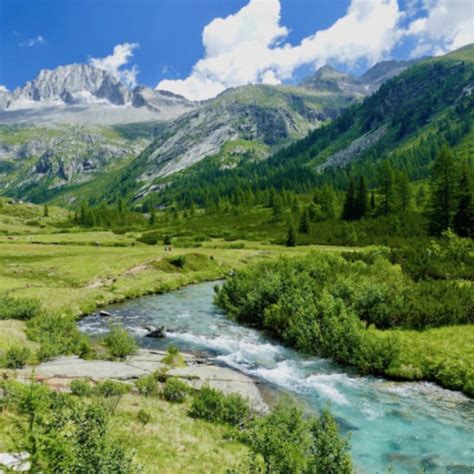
(58, 373)
(351, 152)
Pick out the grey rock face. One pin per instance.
(383, 71)
(59, 372)
(329, 79)
(267, 114)
(81, 93)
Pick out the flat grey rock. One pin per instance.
(58, 372)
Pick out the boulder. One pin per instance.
(157, 333)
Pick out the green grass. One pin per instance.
(444, 355)
(12, 334)
(173, 442)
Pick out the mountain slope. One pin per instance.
(406, 121)
(266, 117)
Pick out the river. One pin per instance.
(406, 425)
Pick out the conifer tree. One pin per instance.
(349, 209)
(291, 237)
(152, 219)
(45, 211)
(387, 189)
(360, 205)
(304, 222)
(463, 222)
(403, 191)
(444, 191)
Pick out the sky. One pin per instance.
(198, 48)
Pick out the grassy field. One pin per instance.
(172, 441)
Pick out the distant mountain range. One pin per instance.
(70, 125)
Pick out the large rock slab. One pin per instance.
(223, 379)
(59, 372)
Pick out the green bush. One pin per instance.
(15, 357)
(173, 358)
(18, 308)
(63, 433)
(179, 261)
(119, 343)
(147, 385)
(282, 438)
(81, 388)
(57, 334)
(212, 405)
(175, 390)
(149, 238)
(144, 416)
(111, 388)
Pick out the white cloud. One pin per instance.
(3, 88)
(447, 25)
(32, 42)
(114, 63)
(250, 47)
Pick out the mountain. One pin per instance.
(329, 79)
(81, 93)
(406, 122)
(76, 129)
(70, 125)
(383, 71)
(252, 117)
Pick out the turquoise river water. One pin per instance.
(406, 425)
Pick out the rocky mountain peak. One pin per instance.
(329, 79)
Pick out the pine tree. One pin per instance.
(387, 189)
(327, 200)
(444, 191)
(45, 211)
(403, 191)
(304, 222)
(463, 221)
(349, 209)
(360, 205)
(152, 220)
(291, 237)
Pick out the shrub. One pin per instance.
(282, 437)
(18, 308)
(57, 334)
(146, 385)
(212, 405)
(175, 390)
(81, 388)
(179, 261)
(119, 343)
(329, 451)
(15, 357)
(144, 416)
(149, 238)
(173, 358)
(111, 388)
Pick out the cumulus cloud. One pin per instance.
(446, 25)
(3, 88)
(32, 42)
(250, 46)
(115, 62)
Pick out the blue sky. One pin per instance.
(271, 41)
